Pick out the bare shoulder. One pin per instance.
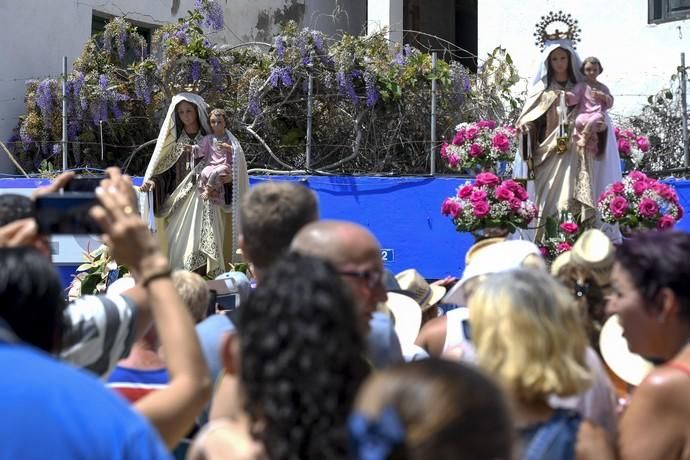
(432, 336)
(225, 438)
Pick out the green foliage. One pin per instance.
(371, 101)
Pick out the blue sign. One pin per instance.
(388, 255)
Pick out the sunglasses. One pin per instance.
(372, 277)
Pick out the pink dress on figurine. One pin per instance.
(218, 162)
(590, 111)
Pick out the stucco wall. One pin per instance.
(638, 58)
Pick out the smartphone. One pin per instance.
(83, 183)
(66, 214)
(227, 301)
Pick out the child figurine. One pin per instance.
(593, 99)
(217, 150)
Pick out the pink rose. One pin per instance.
(623, 147)
(451, 208)
(643, 143)
(637, 175)
(487, 178)
(618, 206)
(617, 187)
(511, 185)
(666, 223)
(648, 208)
(444, 150)
(481, 208)
(459, 137)
(486, 124)
(515, 204)
(500, 142)
(639, 187)
(544, 251)
(665, 192)
(453, 160)
(478, 195)
(563, 247)
(465, 191)
(471, 132)
(475, 150)
(570, 228)
(503, 194)
(617, 132)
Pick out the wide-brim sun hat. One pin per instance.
(630, 367)
(407, 317)
(495, 258)
(594, 250)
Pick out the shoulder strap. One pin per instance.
(679, 366)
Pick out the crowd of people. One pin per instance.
(310, 364)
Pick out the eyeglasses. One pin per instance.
(372, 277)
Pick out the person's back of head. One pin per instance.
(193, 291)
(432, 409)
(301, 359)
(31, 300)
(529, 334)
(14, 207)
(657, 260)
(270, 216)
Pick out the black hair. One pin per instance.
(14, 207)
(657, 260)
(591, 60)
(302, 359)
(31, 300)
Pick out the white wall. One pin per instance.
(37, 33)
(638, 58)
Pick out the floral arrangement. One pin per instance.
(631, 146)
(639, 201)
(560, 236)
(479, 145)
(489, 203)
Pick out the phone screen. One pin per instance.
(66, 214)
(83, 183)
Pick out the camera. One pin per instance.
(66, 213)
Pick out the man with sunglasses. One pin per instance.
(356, 255)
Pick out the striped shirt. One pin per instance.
(99, 331)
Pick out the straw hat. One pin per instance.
(407, 317)
(594, 250)
(495, 258)
(417, 287)
(630, 367)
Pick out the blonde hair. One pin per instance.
(440, 403)
(528, 333)
(193, 291)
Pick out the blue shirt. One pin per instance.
(51, 410)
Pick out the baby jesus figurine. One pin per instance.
(593, 99)
(217, 150)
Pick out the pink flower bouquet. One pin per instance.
(639, 201)
(630, 145)
(489, 203)
(566, 234)
(480, 145)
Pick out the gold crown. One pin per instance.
(572, 31)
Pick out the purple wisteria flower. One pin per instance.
(44, 98)
(181, 35)
(216, 68)
(213, 13)
(121, 39)
(103, 81)
(301, 43)
(27, 140)
(57, 149)
(279, 45)
(372, 91)
(346, 86)
(195, 71)
(253, 102)
(281, 74)
(142, 88)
